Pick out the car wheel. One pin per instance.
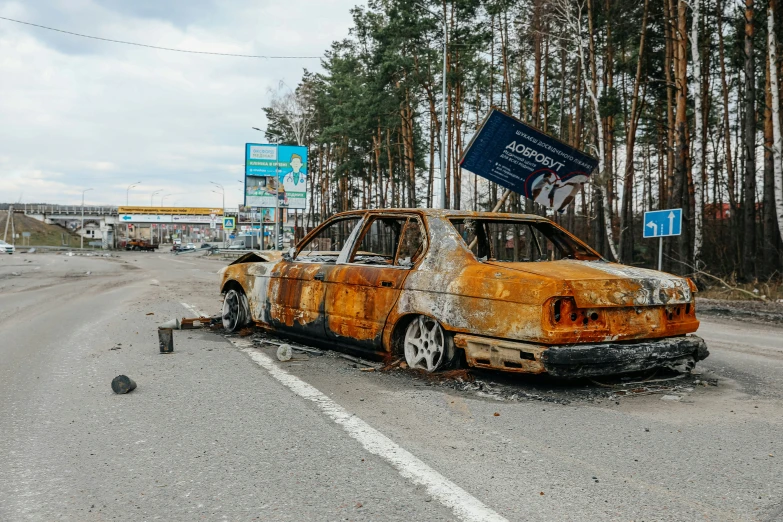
(426, 345)
(235, 310)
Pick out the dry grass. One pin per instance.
(41, 234)
(771, 290)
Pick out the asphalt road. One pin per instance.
(220, 430)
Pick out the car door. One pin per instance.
(297, 285)
(361, 292)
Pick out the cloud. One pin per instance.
(80, 113)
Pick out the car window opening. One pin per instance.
(326, 245)
(390, 241)
(512, 241)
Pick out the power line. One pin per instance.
(161, 48)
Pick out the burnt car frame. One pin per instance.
(509, 292)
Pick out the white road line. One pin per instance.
(464, 506)
(183, 262)
(192, 309)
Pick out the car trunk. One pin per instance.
(602, 284)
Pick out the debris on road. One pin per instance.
(123, 384)
(284, 352)
(166, 340)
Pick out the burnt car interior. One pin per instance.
(390, 241)
(501, 240)
(325, 246)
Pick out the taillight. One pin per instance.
(565, 313)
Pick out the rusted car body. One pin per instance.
(508, 292)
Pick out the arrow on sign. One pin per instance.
(671, 222)
(653, 226)
(126, 218)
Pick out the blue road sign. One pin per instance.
(663, 223)
(229, 223)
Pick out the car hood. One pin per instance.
(600, 284)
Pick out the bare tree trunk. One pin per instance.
(592, 91)
(680, 195)
(749, 235)
(536, 26)
(777, 143)
(769, 223)
(626, 215)
(698, 145)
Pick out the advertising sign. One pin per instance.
(165, 218)
(170, 210)
(275, 171)
(527, 161)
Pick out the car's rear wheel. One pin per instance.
(426, 345)
(235, 310)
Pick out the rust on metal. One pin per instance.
(501, 314)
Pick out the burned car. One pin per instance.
(516, 293)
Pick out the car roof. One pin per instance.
(439, 212)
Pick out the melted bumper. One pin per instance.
(583, 360)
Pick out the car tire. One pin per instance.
(236, 312)
(427, 346)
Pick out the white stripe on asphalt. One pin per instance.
(465, 506)
(192, 309)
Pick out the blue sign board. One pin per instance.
(527, 161)
(663, 223)
(275, 172)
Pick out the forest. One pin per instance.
(679, 100)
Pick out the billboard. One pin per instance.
(170, 210)
(163, 218)
(523, 159)
(275, 171)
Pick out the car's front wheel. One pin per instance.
(426, 345)
(236, 312)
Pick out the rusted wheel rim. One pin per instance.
(233, 311)
(425, 344)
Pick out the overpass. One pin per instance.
(112, 220)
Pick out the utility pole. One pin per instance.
(223, 191)
(443, 118)
(81, 242)
(127, 192)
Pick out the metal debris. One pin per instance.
(123, 384)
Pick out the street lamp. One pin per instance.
(223, 192)
(163, 197)
(127, 192)
(81, 244)
(153, 195)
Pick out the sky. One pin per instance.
(78, 113)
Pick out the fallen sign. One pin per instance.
(523, 159)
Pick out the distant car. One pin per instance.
(446, 288)
(6, 248)
(190, 246)
(176, 247)
(205, 245)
